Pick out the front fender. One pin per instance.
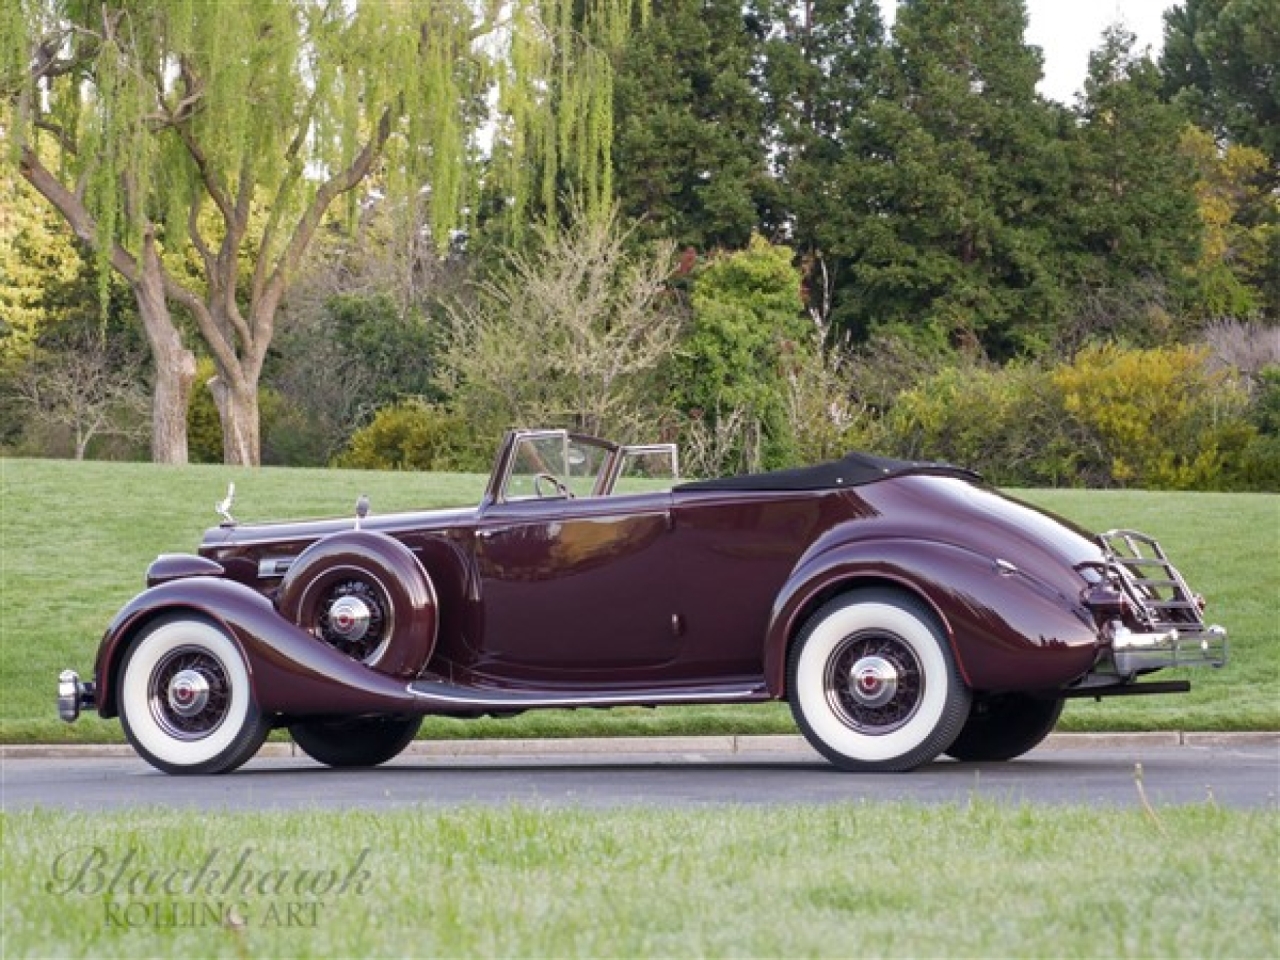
(290, 670)
(1007, 630)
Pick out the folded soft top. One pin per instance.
(849, 471)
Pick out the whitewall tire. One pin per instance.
(873, 684)
(185, 701)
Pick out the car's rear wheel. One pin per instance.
(185, 701)
(873, 685)
(1004, 726)
(358, 742)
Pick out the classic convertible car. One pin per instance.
(904, 610)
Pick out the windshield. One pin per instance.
(554, 464)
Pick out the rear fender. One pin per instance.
(1006, 630)
(290, 671)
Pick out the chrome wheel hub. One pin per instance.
(188, 693)
(355, 617)
(349, 618)
(873, 681)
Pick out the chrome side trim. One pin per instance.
(458, 696)
(270, 568)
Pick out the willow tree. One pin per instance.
(200, 145)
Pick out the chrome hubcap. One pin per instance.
(349, 618)
(188, 693)
(355, 617)
(873, 681)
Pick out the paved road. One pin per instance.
(683, 772)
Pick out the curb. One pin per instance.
(728, 745)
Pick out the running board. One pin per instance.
(454, 696)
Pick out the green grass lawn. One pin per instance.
(75, 539)
(842, 881)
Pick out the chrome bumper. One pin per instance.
(74, 695)
(1195, 646)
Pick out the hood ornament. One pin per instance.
(224, 506)
(362, 509)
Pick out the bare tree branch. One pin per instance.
(88, 388)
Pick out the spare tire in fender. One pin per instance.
(365, 594)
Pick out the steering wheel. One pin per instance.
(558, 489)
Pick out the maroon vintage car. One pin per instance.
(904, 610)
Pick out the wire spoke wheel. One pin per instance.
(366, 595)
(185, 700)
(189, 693)
(872, 682)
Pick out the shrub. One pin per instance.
(746, 337)
(1004, 423)
(204, 428)
(1259, 467)
(823, 418)
(1157, 418)
(414, 435)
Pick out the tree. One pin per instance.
(86, 384)
(1219, 62)
(827, 64)
(34, 253)
(689, 137)
(1240, 227)
(570, 334)
(1133, 220)
(746, 334)
(223, 133)
(951, 203)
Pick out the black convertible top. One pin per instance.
(850, 471)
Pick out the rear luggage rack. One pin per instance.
(1140, 567)
(1172, 632)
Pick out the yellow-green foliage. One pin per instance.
(413, 435)
(1163, 418)
(1159, 419)
(34, 255)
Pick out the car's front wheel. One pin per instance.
(873, 684)
(1004, 726)
(185, 700)
(359, 742)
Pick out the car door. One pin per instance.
(577, 590)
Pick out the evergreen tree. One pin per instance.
(689, 146)
(35, 253)
(826, 66)
(1220, 62)
(1133, 218)
(949, 210)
